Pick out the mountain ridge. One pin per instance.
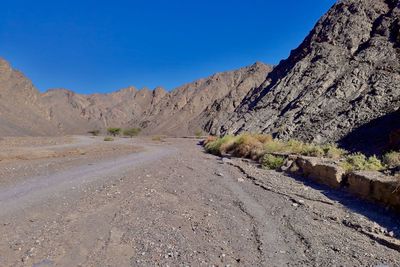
(62, 111)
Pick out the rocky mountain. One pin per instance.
(191, 107)
(183, 111)
(21, 109)
(345, 75)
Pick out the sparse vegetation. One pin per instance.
(360, 162)
(108, 139)
(131, 132)
(247, 146)
(272, 162)
(256, 145)
(94, 132)
(271, 152)
(220, 145)
(114, 131)
(392, 159)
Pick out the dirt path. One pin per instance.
(171, 204)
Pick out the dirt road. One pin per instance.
(137, 202)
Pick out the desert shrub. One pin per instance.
(219, 146)
(274, 146)
(359, 162)
(333, 152)
(94, 132)
(209, 139)
(247, 146)
(296, 147)
(131, 132)
(272, 162)
(392, 159)
(108, 138)
(312, 150)
(263, 138)
(198, 134)
(114, 131)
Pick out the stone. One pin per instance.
(345, 74)
(321, 170)
(375, 186)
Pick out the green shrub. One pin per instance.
(392, 159)
(114, 131)
(272, 162)
(359, 162)
(220, 145)
(94, 132)
(108, 138)
(131, 132)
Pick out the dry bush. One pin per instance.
(333, 152)
(263, 138)
(247, 146)
(209, 139)
(214, 147)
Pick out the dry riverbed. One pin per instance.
(80, 201)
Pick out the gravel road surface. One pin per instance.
(138, 202)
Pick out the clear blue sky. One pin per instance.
(101, 46)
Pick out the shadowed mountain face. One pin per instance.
(183, 111)
(346, 73)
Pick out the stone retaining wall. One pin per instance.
(373, 186)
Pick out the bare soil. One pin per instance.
(80, 201)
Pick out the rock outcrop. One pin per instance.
(345, 74)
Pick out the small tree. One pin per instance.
(131, 132)
(94, 132)
(114, 131)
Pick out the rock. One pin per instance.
(344, 75)
(375, 186)
(321, 170)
